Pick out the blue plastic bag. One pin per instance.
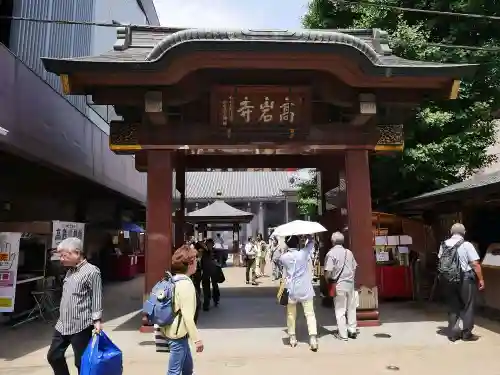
(101, 357)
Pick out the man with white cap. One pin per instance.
(461, 276)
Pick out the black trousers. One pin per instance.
(198, 307)
(196, 278)
(60, 343)
(250, 264)
(461, 301)
(210, 290)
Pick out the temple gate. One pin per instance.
(189, 98)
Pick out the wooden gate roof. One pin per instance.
(143, 48)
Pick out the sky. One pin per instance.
(234, 14)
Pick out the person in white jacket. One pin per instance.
(251, 255)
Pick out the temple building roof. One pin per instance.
(237, 186)
(219, 212)
(141, 48)
(475, 185)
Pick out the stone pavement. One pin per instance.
(245, 335)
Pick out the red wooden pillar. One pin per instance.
(180, 185)
(158, 217)
(359, 213)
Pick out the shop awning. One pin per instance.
(131, 227)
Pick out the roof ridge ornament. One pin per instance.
(227, 35)
(381, 42)
(123, 38)
(269, 33)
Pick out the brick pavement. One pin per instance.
(245, 335)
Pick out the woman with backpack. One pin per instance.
(183, 328)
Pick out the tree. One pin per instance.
(446, 141)
(308, 195)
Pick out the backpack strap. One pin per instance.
(178, 313)
(454, 247)
(457, 245)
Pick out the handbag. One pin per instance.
(219, 275)
(332, 287)
(283, 293)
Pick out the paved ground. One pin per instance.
(245, 335)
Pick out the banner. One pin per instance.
(64, 229)
(9, 257)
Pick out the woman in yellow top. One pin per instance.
(183, 327)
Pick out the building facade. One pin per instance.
(65, 136)
(269, 195)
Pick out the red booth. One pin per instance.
(392, 252)
(128, 258)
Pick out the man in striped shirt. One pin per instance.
(81, 306)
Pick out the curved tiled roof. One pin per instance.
(237, 185)
(219, 211)
(306, 36)
(478, 181)
(142, 47)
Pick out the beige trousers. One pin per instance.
(291, 317)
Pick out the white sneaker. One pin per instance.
(338, 337)
(313, 343)
(293, 341)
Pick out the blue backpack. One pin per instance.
(159, 307)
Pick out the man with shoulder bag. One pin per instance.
(340, 269)
(461, 277)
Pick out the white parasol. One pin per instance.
(298, 227)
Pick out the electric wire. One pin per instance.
(416, 10)
(440, 45)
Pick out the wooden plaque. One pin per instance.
(260, 107)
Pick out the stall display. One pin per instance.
(492, 257)
(35, 285)
(488, 300)
(127, 258)
(9, 258)
(391, 249)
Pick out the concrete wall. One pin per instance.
(82, 136)
(42, 125)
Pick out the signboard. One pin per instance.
(9, 257)
(241, 106)
(64, 229)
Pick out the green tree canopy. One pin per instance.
(445, 141)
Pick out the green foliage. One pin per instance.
(308, 195)
(445, 141)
